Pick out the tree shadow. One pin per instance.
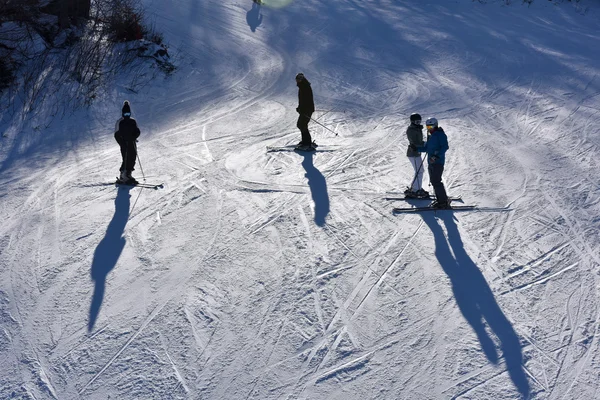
(476, 300)
(108, 252)
(254, 17)
(318, 188)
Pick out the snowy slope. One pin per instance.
(255, 275)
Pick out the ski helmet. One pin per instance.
(126, 110)
(431, 123)
(415, 119)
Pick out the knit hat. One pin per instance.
(300, 77)
(415, 119)
(126, 110)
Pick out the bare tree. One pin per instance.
(62, 53)
(69, 12)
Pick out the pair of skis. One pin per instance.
(139, 184)
(293, 147)
(403, 210)
(450, 198)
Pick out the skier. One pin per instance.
(306, 107)
(126, 134)
(414, 133)
(436, 147)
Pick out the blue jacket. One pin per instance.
(437, 144)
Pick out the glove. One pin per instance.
(433, 159)
(298, 110)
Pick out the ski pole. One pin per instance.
(139, 161)
(314, 120)
(325, 112)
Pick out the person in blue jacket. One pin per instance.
(436, 147)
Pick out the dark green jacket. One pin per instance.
(306, 104)
(414, 133)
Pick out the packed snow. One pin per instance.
(285, 275)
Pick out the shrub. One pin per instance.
(125, 23)
(7, 73)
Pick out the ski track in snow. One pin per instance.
(255, 275)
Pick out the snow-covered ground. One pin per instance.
(255, 275)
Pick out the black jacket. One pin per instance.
(306, 105)
(126, 130)
(414, 133)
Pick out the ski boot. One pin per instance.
(422, 194)
(410, 194)
(130, 179)
(441, 205)
(122, 177)
(305, 147)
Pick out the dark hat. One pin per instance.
(300, 77)
(415, 118)
(126, 110)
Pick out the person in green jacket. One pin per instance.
(306, 106)
(414, 133)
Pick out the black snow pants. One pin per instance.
(435, 177)
(302, 124)
(129, 154)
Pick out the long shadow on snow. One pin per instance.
(254, 17)
(108, 252)
(476, 300)
(318, 188)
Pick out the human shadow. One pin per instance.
(254, 17)
(318, 188)
(108, 252)
(476, 300)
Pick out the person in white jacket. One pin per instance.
(414, 134)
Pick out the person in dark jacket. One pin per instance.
(414, 134)
(306, 107)
(436, 147)
(126, 134)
